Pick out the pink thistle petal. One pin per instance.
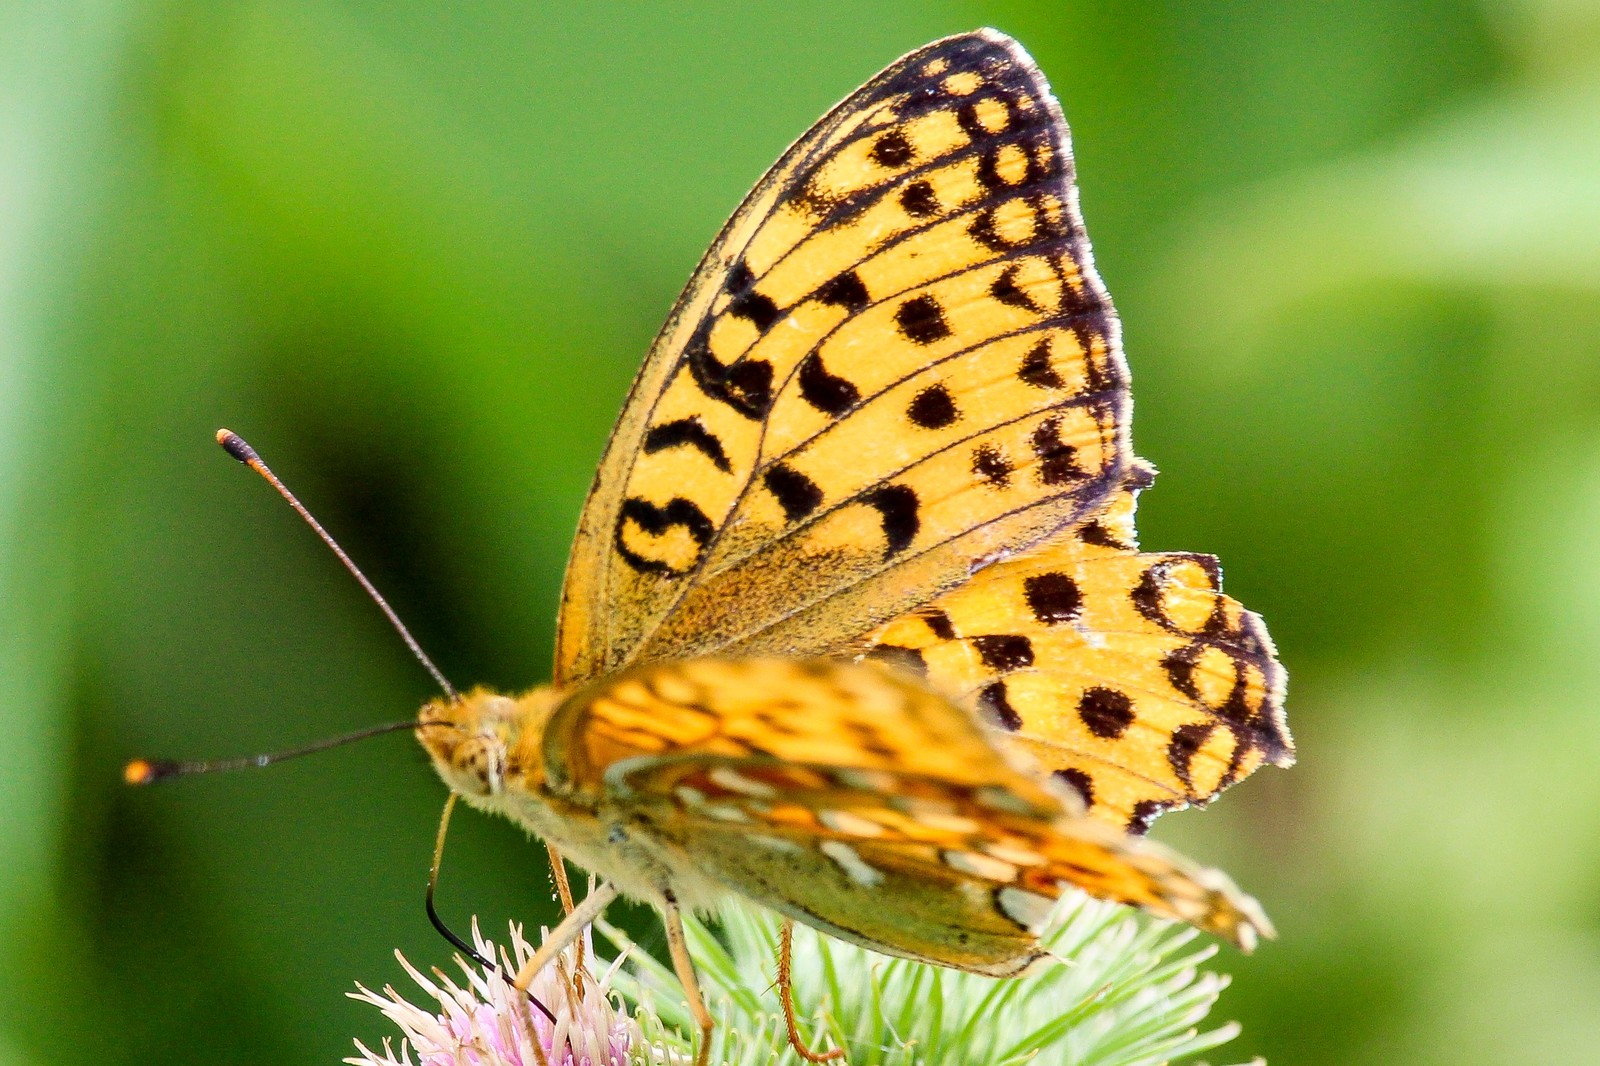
(486, 1021)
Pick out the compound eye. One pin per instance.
(476, 765)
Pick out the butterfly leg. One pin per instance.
(558, 874)
(678, 947)
(562, 936)
(786, 996)
(570, 929)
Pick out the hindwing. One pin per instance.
(1130, 676)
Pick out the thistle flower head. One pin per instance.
(1120, 990)
(484, 1021)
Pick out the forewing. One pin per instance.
(853, 798)
(894, 365)
(848, 716)
(1129, 675)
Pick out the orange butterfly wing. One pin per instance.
(895, 364)
(855, 799)
(1129, 675)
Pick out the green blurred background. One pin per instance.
(414, 251)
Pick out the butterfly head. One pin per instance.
(477, 739)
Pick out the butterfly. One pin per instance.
(855, 625)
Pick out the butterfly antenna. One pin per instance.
(149, 771)
(237, 447)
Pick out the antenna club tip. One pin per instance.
(140, 772)
(235, 446)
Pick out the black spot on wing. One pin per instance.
(919, 200)
(1036, 369)
(939, 623)
(1079, 782)
(687, 431)
(994, 702)
(1004, 652)
(892, 149)
(1098, 534)
(740, 278)
(827, 393)
(797, 494)
(1058, 460)
(1179, 665)
(1145, 813)
(909, 660)
(1186, 741)
(656, 520)
(921, 320)
(1053, 597)
(933, 408)
(1105, 712)
(752, 380)
(989, 463)
(1005, 289)
(845, 290)
(744, 385)
(898, 508)
(756, 308)
(1146, 597)
(744, 302)
(809, 198)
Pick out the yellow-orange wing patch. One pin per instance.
(855, 799)
(862, 717)
(1128, 675)
(895, 364)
